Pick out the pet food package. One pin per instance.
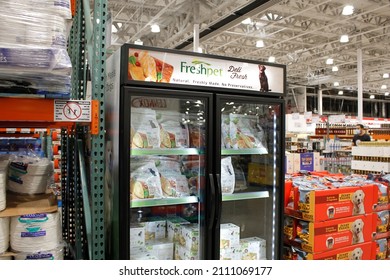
(189, 237)
(325, 203)
(362, 251)
(228, 178)
(232, 253)
(197, 135)
(245, 132)
(183, 253)
(253, 248)
(174, 228)
(226, 141)
(137, 236)
(173, 183)
(145, 130)
(382, 224)
(144, 180)
(162, 249)
(381, 249)
(173, 132)
(155, 229)
(317, 237)
(229, 236)
(193, 169)
(141, 254)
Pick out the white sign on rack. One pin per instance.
(72, 110)
(336, 119)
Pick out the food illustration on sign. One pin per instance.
(144, 67)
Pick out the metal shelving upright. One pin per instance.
(87, 50)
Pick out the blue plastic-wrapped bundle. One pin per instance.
(33, 56)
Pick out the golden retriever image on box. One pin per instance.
(356, 254)
(357, 231)
(358, 202)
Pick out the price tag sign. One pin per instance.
(72, 110)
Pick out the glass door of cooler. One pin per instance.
(250, 178)
(168, 138)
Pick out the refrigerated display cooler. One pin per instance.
(194, 156)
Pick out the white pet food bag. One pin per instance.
(145, 131)
(227, 176)
(173, 182)
(225, 132)
(29, 175)
(144, 180)
(173, 132)
(4, 234)
(35, 232)
(245, 132)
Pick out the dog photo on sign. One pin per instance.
(263, 79)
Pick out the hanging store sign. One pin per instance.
(173, 68)
(72, 110)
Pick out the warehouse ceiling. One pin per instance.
(301, 34)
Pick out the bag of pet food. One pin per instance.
(245, 132)
(227, 176)
(145, 131)
(173, 183)
(197, 135)
(144, 180)
(225, 132)
(173, 132)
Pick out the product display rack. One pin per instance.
(82, 208)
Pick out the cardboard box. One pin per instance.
(289, 164)
(317, 237)
(162, 249)
(189, 237)
(155, 229)
(174, 228)
(182, 253)
(137, 235)
(253, 248)
(322, 205)
(229, 236)
(362, 251)
(232, 253)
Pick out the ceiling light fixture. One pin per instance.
(344, 39)
(200, 50)
(341, 92)
(247, 21)
(348, 10)
(335, 69)
(386, 76)
(138, 42)
(372, 96)
(329, 61)
(336, 84)
(386, 93)
(260, 44)
(384, 87)
(155, 28)
(271, 59)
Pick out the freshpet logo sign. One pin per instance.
(200, 68)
